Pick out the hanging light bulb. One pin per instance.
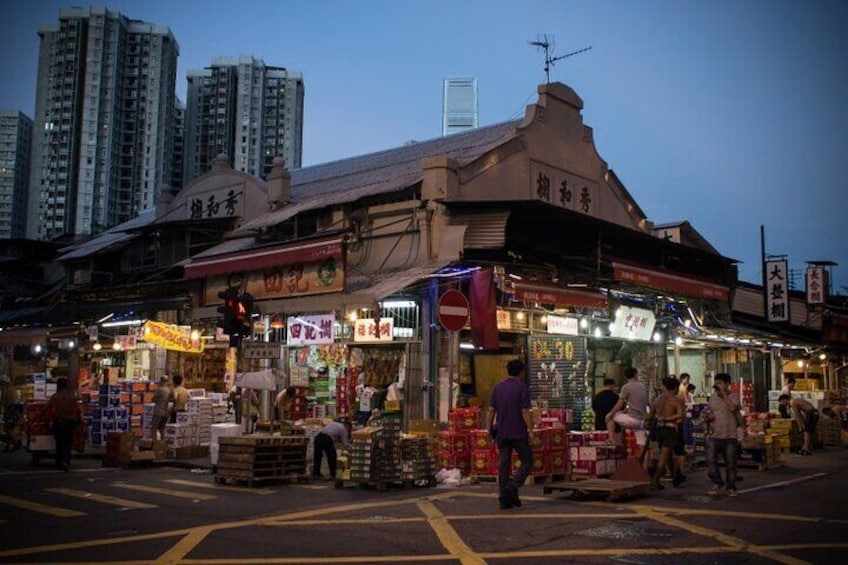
(597, 332)
(352, 316)
(97, 346)
(584, 323)
(519, 315)
(657, 337)
(678, 341)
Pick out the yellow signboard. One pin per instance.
(170, 336)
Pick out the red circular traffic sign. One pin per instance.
(453, 310)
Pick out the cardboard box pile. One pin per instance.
(416, 458)
(375, 453)
(590, 454)
(218, 431)
(121, 449)
(745, 392)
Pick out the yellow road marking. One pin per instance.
(319, 560)
(38, 507)
(522, 516)
(737, 544)
(731, 514)
(311, 487)
(183, 547)
(220, 487)
(450, 538)
(101, 498)
(168, 492)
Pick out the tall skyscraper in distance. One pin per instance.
(459, 105)
(246, 110)
(103, 124)
(15, 145)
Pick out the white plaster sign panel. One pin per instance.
(563, 189)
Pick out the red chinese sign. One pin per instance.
(310, 330)
(367, 329)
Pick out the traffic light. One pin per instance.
(229, 309)
(245, 313)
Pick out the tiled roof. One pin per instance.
(379, 173)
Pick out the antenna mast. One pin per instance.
(547, 46)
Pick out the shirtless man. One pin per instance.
(806, 415)
(668, 411)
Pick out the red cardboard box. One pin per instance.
(541, 464)
(541, 439)
(461, 419)
(480, 439)
(454, 442)
(578, 439)
(558, 439)
(452, 460)
(482, 463)
(559, 462)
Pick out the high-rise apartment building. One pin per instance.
(103, 127)
(178, 150)
(15, 140)
(459, 105)
(246, 110)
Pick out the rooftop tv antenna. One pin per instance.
(548, 47)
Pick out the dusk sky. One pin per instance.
(730, 114)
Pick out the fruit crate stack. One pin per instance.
(375, 453)
(417, 463)
(258, 458)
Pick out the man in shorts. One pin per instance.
(807, 417)
(667, 412)
(630, 410)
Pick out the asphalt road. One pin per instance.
(794, 514)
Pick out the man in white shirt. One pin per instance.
(630, 410)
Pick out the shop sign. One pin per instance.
(669, 282)
(173, 337)
(220, 203)
(288, 281)
(504, 320)
(633, 323)
(127, 342)
(816, 285)
(777, 291)
(366, 329)
(310, 330)
(259, 350)
(92, 332)
(563, 189)
(563, 325)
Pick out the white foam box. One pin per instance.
(224, 430)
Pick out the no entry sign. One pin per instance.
(453, 310)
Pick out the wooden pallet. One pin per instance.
(237, 480)
(531, 479)
(262, 441)
(604, 488)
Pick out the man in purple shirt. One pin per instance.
(511, 426)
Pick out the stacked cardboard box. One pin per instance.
(828, 432)
(590, 454)
(375, 453)
(417, 461)
(218, 431)
(745, 392)
(789, 435)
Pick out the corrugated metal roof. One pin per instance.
(111, 237)
(379, 173)
(486, 230)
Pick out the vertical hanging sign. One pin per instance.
(777, 291)
(816, 285)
